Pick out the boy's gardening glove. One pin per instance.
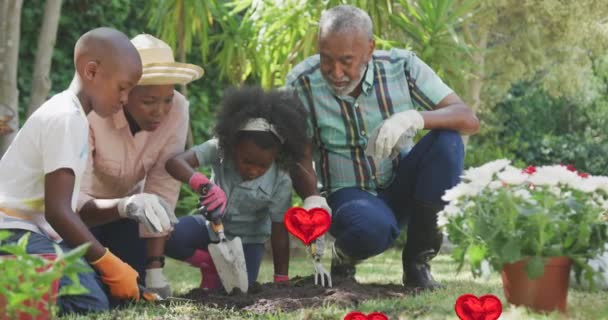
(386, 137)
(212, 196)
(153, 212)
(120, 278)
(157, 283)
(316, 252)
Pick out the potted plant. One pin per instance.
(530, 224)
(29, 285)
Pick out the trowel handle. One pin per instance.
(217, 226)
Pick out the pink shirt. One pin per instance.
(121, 164)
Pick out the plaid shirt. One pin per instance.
(340, 126)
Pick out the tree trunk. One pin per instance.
(41, 84)
(181, 52)
(10, 27)
(476, 83)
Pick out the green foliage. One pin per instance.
(430, 27)
(28, 277)
(530, 127)
(179, 22)
(500, 215)
(77, 17)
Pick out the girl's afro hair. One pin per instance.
(281, 108)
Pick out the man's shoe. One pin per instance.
(418, 276)
(342, 265)
(423, 243)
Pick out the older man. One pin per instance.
(365, 107)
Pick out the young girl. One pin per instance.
(254, 129)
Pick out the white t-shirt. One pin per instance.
(54, 137)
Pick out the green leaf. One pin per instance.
(476, 254)
(511, 251)
(535, 267)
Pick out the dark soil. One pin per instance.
(300, 293)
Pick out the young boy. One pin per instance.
(40, 172)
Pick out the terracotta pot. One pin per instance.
(42, 305)
(544, 294)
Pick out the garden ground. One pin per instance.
(377, 289)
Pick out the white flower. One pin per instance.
(442, 220)
(602, 183)
(486, 269)
(523, 193)
(482, 176)
(496, 184)
(555, 190)
(512, 175)
(461, 190)
(544, 176)
(452, 210)
(469, 204)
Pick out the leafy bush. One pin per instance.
(530, 127)
(28, 277)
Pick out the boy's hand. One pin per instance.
(120, 278)
(149, 210)
(212, 196)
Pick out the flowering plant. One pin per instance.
(501, 214)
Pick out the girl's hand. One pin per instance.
(212, 196)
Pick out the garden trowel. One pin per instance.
(229, 259)
(227, 255)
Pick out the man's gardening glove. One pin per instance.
(316, 201)
(153, 212)
(316, 252)
(386, 139)
(120, 278)
(212, 196)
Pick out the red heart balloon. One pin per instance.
(356, 315)
(307, 225)
(469, 307)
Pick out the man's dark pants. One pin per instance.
(365, 225)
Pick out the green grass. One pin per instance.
(385, 268)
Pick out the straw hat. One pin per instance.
(159, 66)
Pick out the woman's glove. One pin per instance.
(151, 211)
(212, 196)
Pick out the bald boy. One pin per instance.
(41, 171)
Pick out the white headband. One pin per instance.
(261, 124)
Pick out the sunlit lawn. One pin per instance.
(385, 268)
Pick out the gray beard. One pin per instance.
(351, 87)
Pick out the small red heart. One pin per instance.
(307, 225)
(469, 307)
(356, 315)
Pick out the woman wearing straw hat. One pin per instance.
(127, 196)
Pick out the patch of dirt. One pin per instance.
(300, 293)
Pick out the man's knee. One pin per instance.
(448, 146)
(364, 230)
